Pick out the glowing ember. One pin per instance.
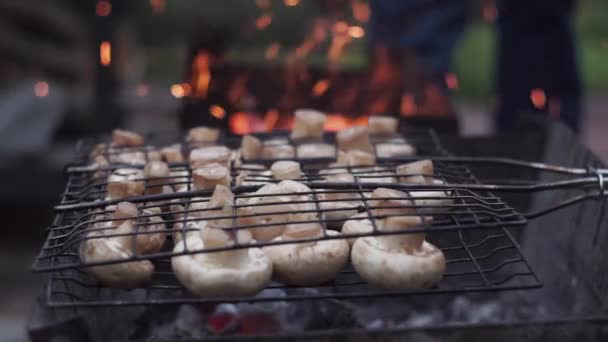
(239, 123)
(263, 4)
(180, 90)
(340, 27)
(538, 98)
(320, 87)
(270, 119)
(263, 22)
(356, 31)
(103, 8)
(272, 51)
(105, 53)
(202, 74)
(142, 90)
(489, 13)
(361, 11)
(451, 81)
(408, 104)
(41, 89)
(336, 122)
(217, 111)
(158, 6)
(291, 2)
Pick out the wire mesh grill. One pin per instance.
(488, 259)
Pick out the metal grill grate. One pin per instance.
(487, 260)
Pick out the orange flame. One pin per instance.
(451, 81)
(217, 111)
(320, 87)
(239, 123)
(291, 2)
(538, 98)
(263, 21)
(356, 32)
(408, 104)
(361, 11)
(270, 119)
(272, 51)
(103, 8)
(41, 89)
(180, 90)
(158, 6)
(335, 122)
(202, 74)
(105, 53)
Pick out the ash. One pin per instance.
(280, 317)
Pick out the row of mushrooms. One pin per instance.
(228, 245)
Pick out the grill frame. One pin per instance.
(69, 205)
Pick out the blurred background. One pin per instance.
(71, 69)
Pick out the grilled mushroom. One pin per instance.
(211, 154)
(251, 147)
(118, 239)
(210, 175)
(308, 123)
(156, 173)
(125, 182)
(403, 261)
(202, 134)
(123, 138)
(357, 224)
(383, 125)
(278, 151)
(172, 154)
(286, 169)
(307, 263)
(389, 150)
(354, 138)
(337, 206)
(316, 150)
(420, 172)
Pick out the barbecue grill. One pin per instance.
(473, 232)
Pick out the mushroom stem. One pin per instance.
(399, 242)
(218, 238)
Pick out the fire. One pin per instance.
(538, 98)
(408, 104)
(217, 111)
(361, 11)
(41, 89)
(270, 119)
(180, 90)
(320, 87)
(356, 31)
(451, 81)
(336, 122)
(263, 22)
(158, 6)
(142, 90)
(489, 13)
(202, 74)
(291, 2)
(239, 123)
(272, 51)
(103, 8)
(263, 4)
(105, 53)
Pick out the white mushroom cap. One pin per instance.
(353, 138)
(286, 169)
(251, 147)
(156, 173)
(202, 134)
(376, 174)
(308, 123)
(154, 156)
(172, 154)
(398, 261)
(283, 151)
(382, 125)
(309, 263)
(316, 150)
(337, 206)
(357, 224)
(355, 158)
(179, 179)
(232, 273)
(398, 202)
(212, 154)
(121, 138)
(126, 157)
(125, 182)
(394, 150)
(420, 172)
(210, 175)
